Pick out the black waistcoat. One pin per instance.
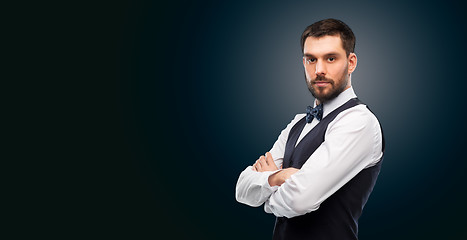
(337, 217)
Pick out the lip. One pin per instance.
(322, 84)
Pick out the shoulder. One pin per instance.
(298, 117)
(359, 124)
(294, 121)
(357, 113)
(358, 117)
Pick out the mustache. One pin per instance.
(321, 78)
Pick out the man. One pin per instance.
(321, 170)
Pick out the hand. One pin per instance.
(265, 164)
(278, 178)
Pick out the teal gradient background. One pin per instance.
(190, 93)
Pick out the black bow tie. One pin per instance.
(316, 112)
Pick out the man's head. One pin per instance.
(328, 58)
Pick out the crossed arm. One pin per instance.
(266, 163)
(350, 145)
(256, 183)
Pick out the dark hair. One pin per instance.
(331, 27)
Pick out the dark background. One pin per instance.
(171, 101)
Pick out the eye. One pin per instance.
(331, 59)
(310, 60)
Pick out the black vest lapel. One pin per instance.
(291, 142)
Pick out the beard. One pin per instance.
(324, 94)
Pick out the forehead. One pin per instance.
(323, 45)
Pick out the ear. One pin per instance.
(352, 62)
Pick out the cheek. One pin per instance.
(339, 70)
(308, 72)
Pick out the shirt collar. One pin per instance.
(342, 98)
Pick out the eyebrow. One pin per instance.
(325, 55)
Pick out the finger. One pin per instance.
(262, 161)
(254, 167)
(269, 159)
(258, 165)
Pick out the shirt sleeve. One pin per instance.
(352, 142)
(252, 187)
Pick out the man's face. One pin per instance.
(327, 68)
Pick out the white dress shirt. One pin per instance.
(352, 142)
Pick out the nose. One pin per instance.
(320, 68)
